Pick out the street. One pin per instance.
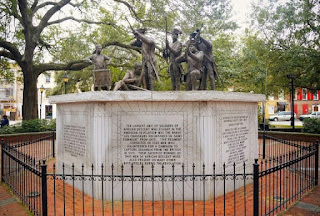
(297, 122)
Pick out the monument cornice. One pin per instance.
(183, 96)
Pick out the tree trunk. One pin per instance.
(30, 94)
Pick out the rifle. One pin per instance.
(132, 29)
(198, 32)
(165, 53)
(167, 48)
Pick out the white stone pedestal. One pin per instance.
(144, 127)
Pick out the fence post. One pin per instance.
(256, 188)
(264, 145)
(2, 159)
(44, 188)
(53, 145)
(316, 163)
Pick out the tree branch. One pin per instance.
(116, 43)
(138, 49)
(79, 20)
(44, 44)
(43, 5)
(12, 49)
(74, 65)
(76, 5)
(23, 7)
(313, 27)
(131, 9)
(44, 21)
(7, 54)
(12, 11)
(34, 5)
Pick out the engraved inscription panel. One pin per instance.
(235, 139)
(152, 139)
(75, 140)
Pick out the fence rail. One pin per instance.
(275, 147)
(268, 186)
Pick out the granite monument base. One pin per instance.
(130, 129)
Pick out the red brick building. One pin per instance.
(306, 101)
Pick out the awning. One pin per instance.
(282, 103)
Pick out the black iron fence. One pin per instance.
(136, 193)
(266, 187)
(24, 175)
(273, 147)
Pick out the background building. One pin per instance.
(47, 81)
(276, 103)
(306, 101)
(11, 96)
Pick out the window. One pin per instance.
(316, 96)
(281, 95)
(270, 97)
(47, 78)
(48, 111)
(271, 109)
(295, 95)
(304, 94)
(8, 92)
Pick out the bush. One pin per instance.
(34, 125)
(311, 126)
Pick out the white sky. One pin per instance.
(241, 13)
(242, 9)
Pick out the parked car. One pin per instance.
(281, 116)
(311, 115)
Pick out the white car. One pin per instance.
(281, 116)
(311, 115)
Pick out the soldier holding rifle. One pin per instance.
(194, 59)
(173, 51)
(209, 66)
(148, 56)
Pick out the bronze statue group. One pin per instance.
(198, 58)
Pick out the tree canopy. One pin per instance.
(290, 36)
(42, 35)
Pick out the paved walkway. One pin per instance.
(308, 205)
(9, 204)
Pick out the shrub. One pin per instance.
(311, 126)
(34, 125)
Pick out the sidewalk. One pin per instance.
(9, 205)
(308, 205)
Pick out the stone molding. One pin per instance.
(105, 96)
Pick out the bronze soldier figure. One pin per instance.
(101, 74)
(209, 66)
(148, 57)
(194, 59)
(132, 80)
(174, 51)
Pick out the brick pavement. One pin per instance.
(9, 205)
(308, 205)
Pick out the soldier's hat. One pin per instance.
(98, 45)
(193, 34)
(141, 30)
(176, 31)
(192, 42)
